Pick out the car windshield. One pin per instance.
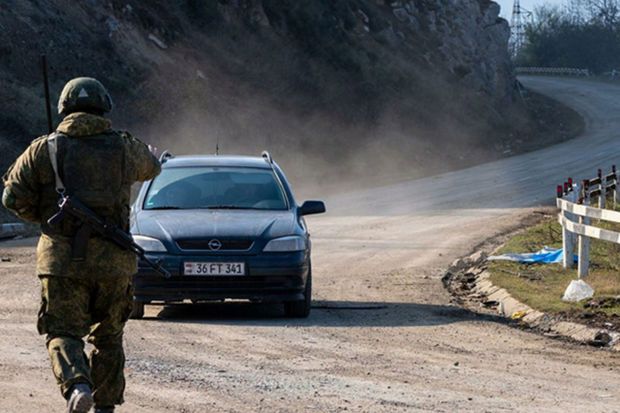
(215, 188)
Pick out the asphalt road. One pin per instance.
(516, 182)
(408, 349)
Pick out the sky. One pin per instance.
(526, 4)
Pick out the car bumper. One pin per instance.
(275, 278)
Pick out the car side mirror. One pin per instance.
(312, 207)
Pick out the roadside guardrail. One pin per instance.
(552, 71)
(576, 214)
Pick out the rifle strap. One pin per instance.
(52, 149)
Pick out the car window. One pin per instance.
(215, 188)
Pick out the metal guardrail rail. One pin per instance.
(576, 214)
(552, 71)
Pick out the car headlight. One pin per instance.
(149, 244)
(286, 244)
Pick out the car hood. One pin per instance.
(186, 224)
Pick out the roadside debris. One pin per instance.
(601, 339)
(578, 290)
(518, 315)
(544, 256)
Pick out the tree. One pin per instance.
(582, 34)
(606, 12)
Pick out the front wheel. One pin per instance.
(300, 309)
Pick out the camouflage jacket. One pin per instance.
(29, 192)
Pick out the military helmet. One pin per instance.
(84, 94)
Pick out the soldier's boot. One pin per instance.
(104, 409)
(80, 399)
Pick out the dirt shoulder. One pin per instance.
(540, 286)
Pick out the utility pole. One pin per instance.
(517, 28)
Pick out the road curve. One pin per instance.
(384, 336)
(515, 182)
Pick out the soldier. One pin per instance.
(86, 286)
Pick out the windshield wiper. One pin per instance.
(229, 207)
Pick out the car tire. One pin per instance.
(300, 309)
(137, 312)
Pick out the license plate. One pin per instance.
(214, 268)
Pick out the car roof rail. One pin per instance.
(267, 156)
(165, 156)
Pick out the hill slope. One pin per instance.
(363, 86)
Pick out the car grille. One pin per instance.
(226, 244)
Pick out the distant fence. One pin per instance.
(576, 214)
(552, 71)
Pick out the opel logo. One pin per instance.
(215, 245)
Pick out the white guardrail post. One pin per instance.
(583, 257)
(567, 245)
(603, 186)
(583, 260)
(568, 238)
(576, 216)
(615, 185)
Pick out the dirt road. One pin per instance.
(384, 337)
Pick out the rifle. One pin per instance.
(90, 221)
(46, 90)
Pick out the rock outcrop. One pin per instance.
(465, 38)
(408, 82)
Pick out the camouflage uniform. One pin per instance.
(92, 297)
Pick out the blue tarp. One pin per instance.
(544, 256)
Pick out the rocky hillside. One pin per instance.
(360, 86)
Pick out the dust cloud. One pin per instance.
(318, 154)
(321, 152)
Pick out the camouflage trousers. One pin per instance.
(98, 308)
